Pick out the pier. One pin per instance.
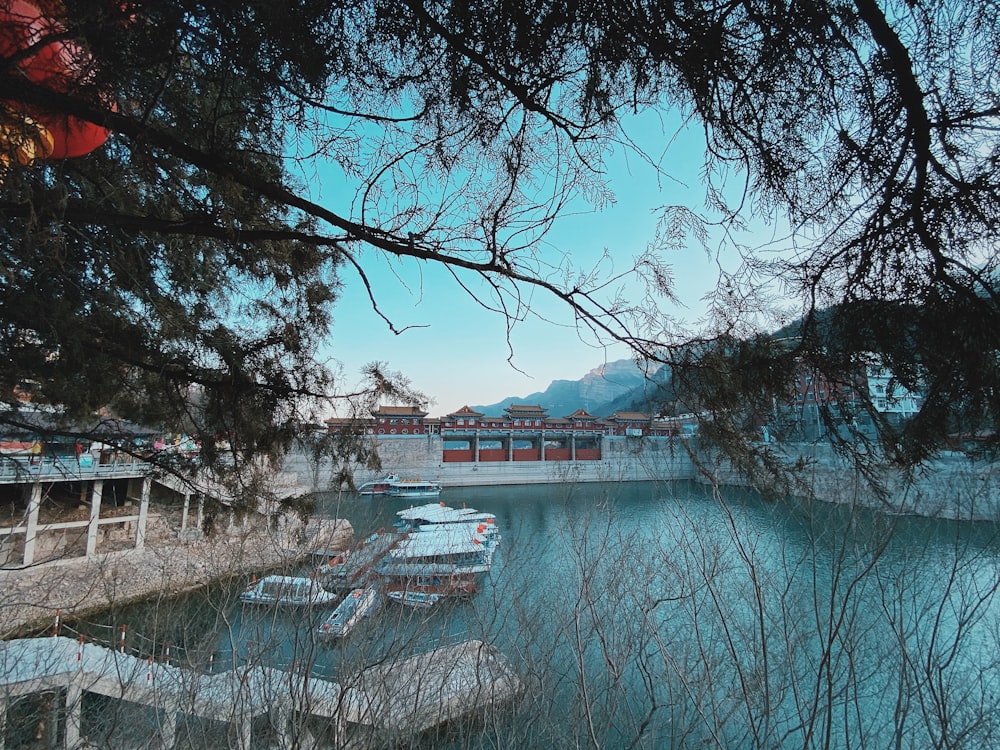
(350, 569)
(255, 701)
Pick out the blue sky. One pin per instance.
(460, 354)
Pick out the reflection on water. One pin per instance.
(663, 615)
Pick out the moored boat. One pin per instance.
(413, 488)
(419, 599)
(356, 605)
(444, 580)
(378, 486)
(433, 515)
(457, 548)
(288, 591)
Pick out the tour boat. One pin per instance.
(434, 515)
(413, 488)
(444, 580)
(420, 599)
(288, 591)
(446, 550)
(349, 612)
(378, 486)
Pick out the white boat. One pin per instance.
(454, 548)
(444, 580)
(434, 515)
(288, 591)
(413, 488)
(356, 605)
(421, 599)
(378, 486)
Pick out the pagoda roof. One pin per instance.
(581, 414)
(399, 411)
(523, 409)
(629, 416)
(466, 411)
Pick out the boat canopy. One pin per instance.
(414, 569)
(454, 539)
(435, 513)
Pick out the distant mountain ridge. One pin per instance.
(597, 392)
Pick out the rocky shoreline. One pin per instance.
(78, 586)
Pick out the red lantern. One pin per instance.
(59, 65)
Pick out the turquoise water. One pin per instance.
(662, 615)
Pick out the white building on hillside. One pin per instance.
(887, 395)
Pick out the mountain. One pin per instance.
(597, 392)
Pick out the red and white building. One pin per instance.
(524, 432)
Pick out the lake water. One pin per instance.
(663, 615)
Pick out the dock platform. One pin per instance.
(351, 569)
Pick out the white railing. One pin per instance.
(68, 468)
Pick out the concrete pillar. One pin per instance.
(168, 729)
(31, 531)
(52, 724)
(510, 447)
(306, 738)
(140, 530)
(282, 722)
(475, 447)
(572, 446)
(201, 511)
(95, 515)
(3, 722)
(74, 708)
(541, 446)
(184, 513)
(244, 720)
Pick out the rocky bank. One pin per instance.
(76, 586)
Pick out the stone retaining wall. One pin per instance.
(952, 486)
(31, 596)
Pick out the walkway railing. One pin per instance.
(14, 470)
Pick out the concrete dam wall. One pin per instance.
(422, 456)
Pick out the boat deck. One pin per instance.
(360, 562)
